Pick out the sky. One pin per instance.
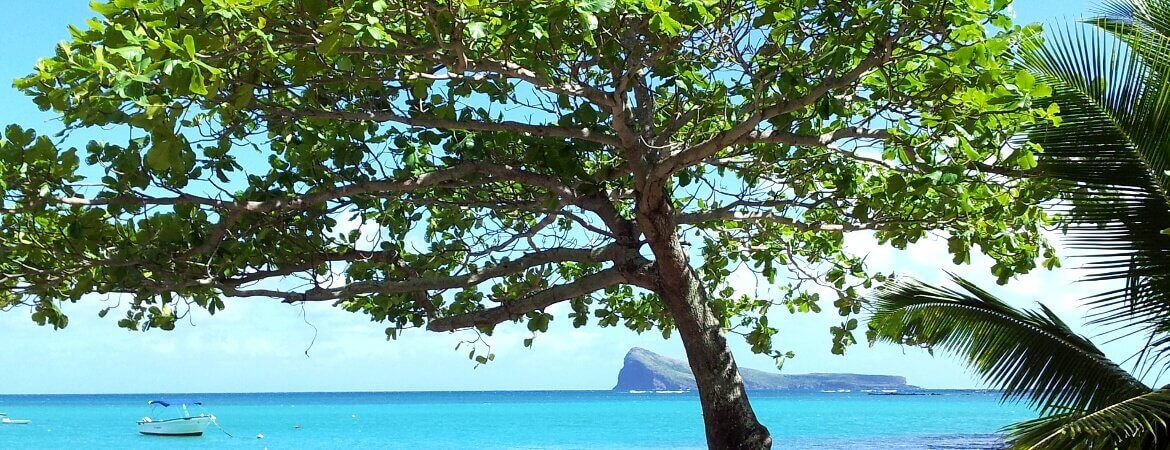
(259, 345)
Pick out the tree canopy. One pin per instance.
(625, 156)
(500, 132)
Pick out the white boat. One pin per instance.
(185, 425)
(7, 421)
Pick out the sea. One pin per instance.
(522, 420)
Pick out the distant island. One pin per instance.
(645, 370)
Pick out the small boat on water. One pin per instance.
(184, 425)
(5, 420)
(891, 392)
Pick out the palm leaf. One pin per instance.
(1140, 422)
(1031, 355)
(1143, 24)
(1112, 154)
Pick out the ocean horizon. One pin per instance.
(563, 419)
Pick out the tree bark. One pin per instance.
(727, 414)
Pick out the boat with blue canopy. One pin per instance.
(184, 424)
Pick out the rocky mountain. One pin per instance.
(645, 370)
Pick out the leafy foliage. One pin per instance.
(504, 150)
(1137, 422)
(1028, 354)
(1112, 88)
(1111, 161)
(1086, 400)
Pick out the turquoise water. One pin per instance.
(544, 420)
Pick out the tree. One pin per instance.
(1109, 160)
(623, 157)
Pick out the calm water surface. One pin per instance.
(534, 420)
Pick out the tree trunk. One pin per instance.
(728, 416)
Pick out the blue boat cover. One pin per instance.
(174, 401)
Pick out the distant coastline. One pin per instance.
(644, 370)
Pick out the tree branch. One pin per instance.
(752, 216)
(543, 299)
(703, 150)
(823, 140)
(513, 70)
(426, 283)
(416, 183)
(468, 125)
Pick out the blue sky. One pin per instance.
(260, 345)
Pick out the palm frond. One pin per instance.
(1031, 355)
(1140, 422)
(1113, 155)
(1103, 94)
(1123, 16)
(1138, 22)
(1144, 27)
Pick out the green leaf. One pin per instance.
(159, 155)
(107, 9)
(1025, 80)
(1026, 160)
(596, 6)
(189, 45)
(128, 52)
(663, 23)
(197, 85)
(330, 45)
(476, 30)
(243, 96)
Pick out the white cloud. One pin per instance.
(369, 232)
(864, 244)
(369, 238)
